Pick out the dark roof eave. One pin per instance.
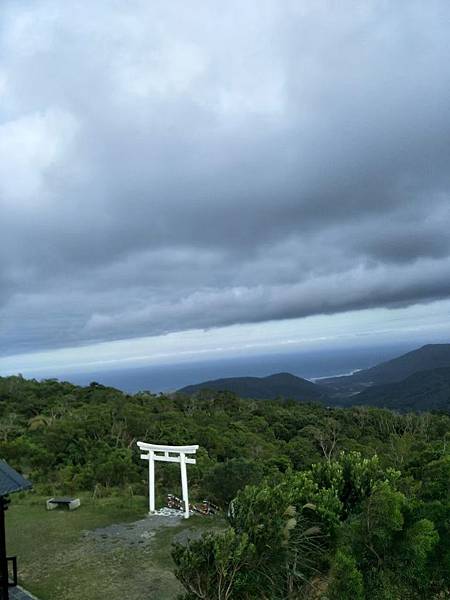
(11, 481)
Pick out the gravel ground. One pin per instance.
(136, 534)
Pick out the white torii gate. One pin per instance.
(154, 452)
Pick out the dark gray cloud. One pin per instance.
(164, 167)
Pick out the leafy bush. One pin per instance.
(346, 581)
(225, 479)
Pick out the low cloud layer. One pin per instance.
(165, 167)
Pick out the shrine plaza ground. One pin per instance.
(108, 548)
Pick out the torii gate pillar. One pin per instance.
(156, 452)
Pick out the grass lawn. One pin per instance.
(58, 562)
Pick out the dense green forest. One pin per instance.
(322, 502)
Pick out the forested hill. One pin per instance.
(416, 381)
(274, 386)
(425, 390)
(431, 356)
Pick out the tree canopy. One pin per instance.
(321, 502)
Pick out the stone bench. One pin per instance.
(71, 503)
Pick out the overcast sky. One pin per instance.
(171, 167)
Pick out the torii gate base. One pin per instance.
(155, 452)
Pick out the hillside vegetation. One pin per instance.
(430, 356)
(264, 388)
(326, 503)
(425, 390)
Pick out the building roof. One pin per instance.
(10, 480)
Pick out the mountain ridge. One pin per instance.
(416, 380)
(427, 357)
(423, 390)
(263, 388)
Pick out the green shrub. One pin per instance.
(346, 581)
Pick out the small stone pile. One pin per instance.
(168, 512)
(203, 508)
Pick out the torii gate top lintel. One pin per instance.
(161, 448)
(159, 452)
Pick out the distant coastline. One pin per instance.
(347, 374)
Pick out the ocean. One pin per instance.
(308, 364)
